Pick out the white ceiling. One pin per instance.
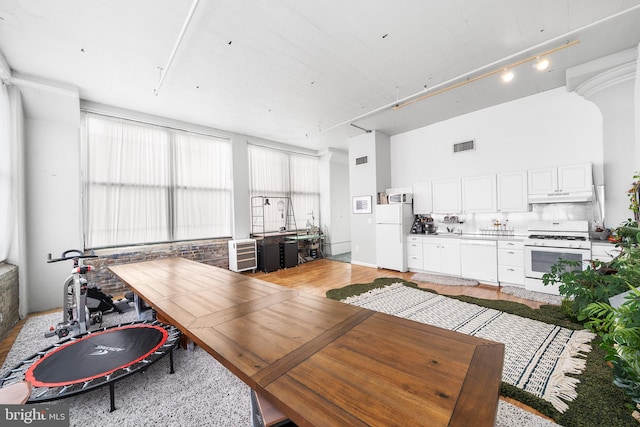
(301, 71)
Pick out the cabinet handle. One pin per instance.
(511, 252)
(510, 269)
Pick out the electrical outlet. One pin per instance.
(0, 317)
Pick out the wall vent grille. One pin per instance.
(464, 146)
(362, 160)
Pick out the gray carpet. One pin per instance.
(531, 295)
(200, 393)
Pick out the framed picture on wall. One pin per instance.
(362, 205)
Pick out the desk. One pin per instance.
(310, 238)
(322, 362)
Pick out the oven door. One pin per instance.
(539, 259)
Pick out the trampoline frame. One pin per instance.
(45, 394)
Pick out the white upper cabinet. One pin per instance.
(446, 196)
(543, 181)
(512, 192)
(575, 178)
(573, 183)
(479, 194)
(422, 199)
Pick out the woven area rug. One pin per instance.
(439, 279)
(538, 356)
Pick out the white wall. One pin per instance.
(617, 106)
(52, 194)
(367, 180)
(335, 202)
(549, 129)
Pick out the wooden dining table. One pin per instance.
(323, 362)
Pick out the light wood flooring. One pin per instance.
(319, 276)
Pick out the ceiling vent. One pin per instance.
(362, 160)
(464, 146)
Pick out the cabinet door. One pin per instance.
(431, 257)
(543, 181)
(422, 199)
(575, 177)
(512, 192)
(450, 259)
(479, 194)
(446, 196)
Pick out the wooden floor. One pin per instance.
(319, 276)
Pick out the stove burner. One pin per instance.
(548, 237)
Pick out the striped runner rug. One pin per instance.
(538, 356)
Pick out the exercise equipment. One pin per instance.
(83, 304)
(94, 359)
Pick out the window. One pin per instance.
(148, 184)
(276, 173)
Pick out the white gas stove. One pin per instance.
(550, 241)
(558, 234)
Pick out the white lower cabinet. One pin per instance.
(414, 253)
(511, 262)
(441, 255)
(485, 260)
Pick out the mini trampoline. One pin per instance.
(94, 359)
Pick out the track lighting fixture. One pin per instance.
(541, 63)
(505, 72)
(507, 75)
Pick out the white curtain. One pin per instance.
(279, 174)
(305, 189)
(202, 187)
(146, 184)
(6, 201)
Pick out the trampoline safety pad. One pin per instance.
(96, 355)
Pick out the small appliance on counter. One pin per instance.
(423, 224)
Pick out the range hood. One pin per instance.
(563, 197)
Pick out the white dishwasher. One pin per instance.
(479, 260)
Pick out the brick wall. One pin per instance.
(8, 298)
(212, 252)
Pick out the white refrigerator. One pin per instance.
(393, 223)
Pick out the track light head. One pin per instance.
(507, 75)
(541, 63)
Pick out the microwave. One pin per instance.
(401, 198)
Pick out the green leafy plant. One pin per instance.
(619, 328)
(580, 288)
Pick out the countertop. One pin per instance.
(472, 236)
(479, 236)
